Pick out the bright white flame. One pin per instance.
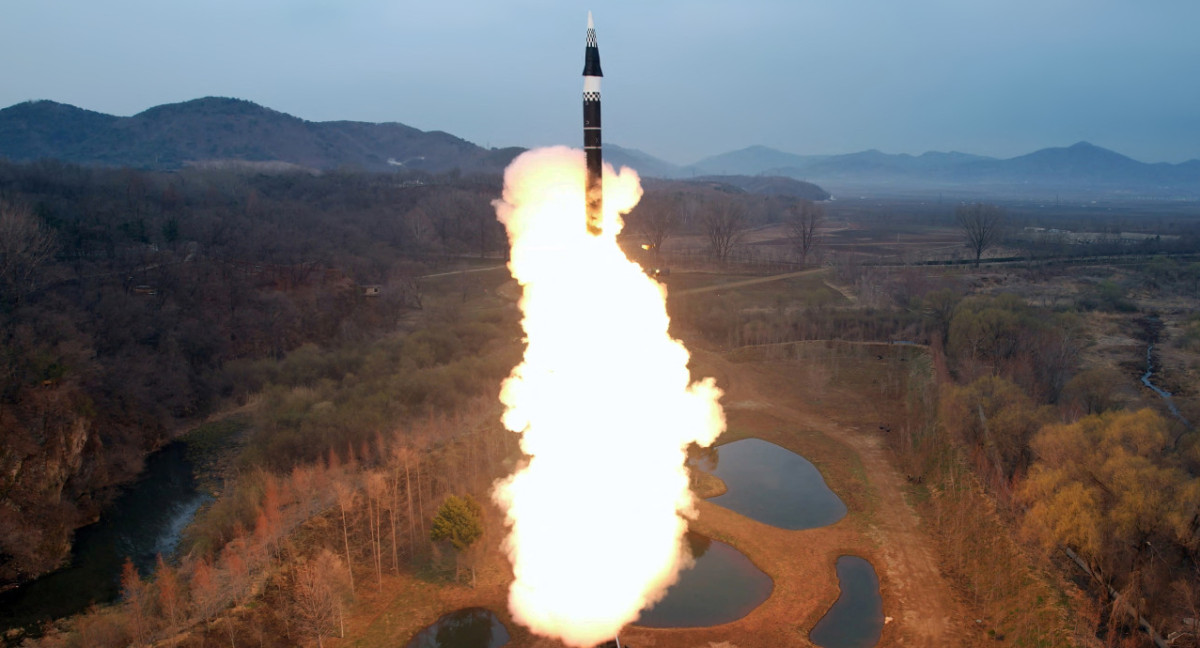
(606, 406)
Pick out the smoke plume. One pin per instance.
(605, 406)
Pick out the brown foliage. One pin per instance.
(996, 420)
(1109, 487)
(318, 595)
(170, 593)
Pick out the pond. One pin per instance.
(144, 521)
(856, 619)
(467, 628)
(771, 484)
(723, 586)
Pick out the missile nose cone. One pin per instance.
(591, 64)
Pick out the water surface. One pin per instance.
(144, 521)
(772, 484)
(723, 586)
(467, 628)
(856, 619)
(1166, 395)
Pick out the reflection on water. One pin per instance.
(773, 485)
(856, 619)
(144, 521)
(468, 628)
(723, 586)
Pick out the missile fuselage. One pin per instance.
(591, 132)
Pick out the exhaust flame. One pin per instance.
(606, 407)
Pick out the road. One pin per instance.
(747, 282)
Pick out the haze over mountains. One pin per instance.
(215, 129)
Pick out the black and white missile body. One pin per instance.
(591, 131)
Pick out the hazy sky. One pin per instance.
(684, 80)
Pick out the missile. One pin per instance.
(591, 131)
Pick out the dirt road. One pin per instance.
(921, 602)
(747, 282)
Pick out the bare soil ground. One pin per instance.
(836, 402)
(819, 410)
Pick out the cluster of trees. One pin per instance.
(1006, 429)
(125, 297)
(721, 215)
(1117, 490)
(306, 540)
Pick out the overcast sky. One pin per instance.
(684, 80)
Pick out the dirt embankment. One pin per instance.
(801, 408)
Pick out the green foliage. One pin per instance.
(205, 441)
(459, 521)
(1110, 296)
(989, 328)
(316, 400)
(996, 417)
(1002, 335)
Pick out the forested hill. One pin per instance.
(216, 130)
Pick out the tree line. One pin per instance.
(126, 296)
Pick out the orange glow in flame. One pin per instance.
(606, 408)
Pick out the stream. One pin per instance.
(145, 520)
(1166, 395)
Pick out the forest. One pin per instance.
(362, 377)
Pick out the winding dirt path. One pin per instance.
(926, 603)
(919, 599)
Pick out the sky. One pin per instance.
(683, 80)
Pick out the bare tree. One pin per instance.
(803, 221)
(318, 596)
(725, 220)
(345, 499)
(376, 487)
(24, 246)
(982, 226)
(657, 220)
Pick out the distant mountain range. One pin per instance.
(221, 130)
(1080, 166)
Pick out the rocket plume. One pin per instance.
(606, 408)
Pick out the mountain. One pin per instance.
(646, 165)
(1082, 166)
(38, 129)
(223, 129)
(215, 130)
(751, 161)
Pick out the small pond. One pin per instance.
(771, 484)
(856, 619)
(723, 586)
(467, 628)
